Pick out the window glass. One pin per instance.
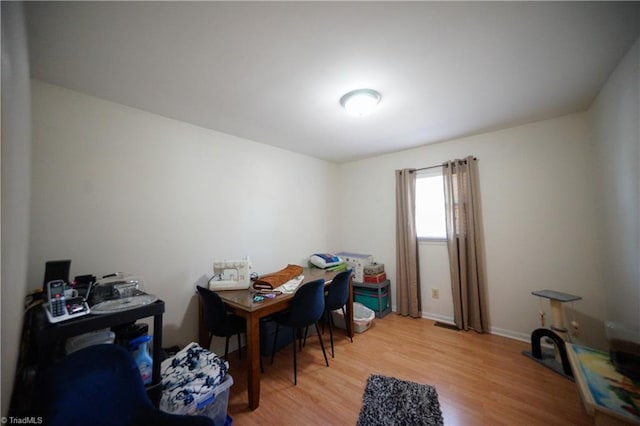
(430, 213)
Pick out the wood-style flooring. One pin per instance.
(481, 379)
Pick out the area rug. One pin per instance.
(390, 401)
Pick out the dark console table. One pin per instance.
(41, 344)
(53, 334)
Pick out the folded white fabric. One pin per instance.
(290, 286)
(189, 378)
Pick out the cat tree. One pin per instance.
(557, 333)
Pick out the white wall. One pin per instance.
(16, 176)
(538, 213)
(616, 134)
(433, 258)
(119, 189)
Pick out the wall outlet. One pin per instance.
(435, 293)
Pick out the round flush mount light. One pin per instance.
(360, 102)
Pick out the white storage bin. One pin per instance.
(362, 318)
(356, 262)
(89, 339)
(188, 387)
(213, 405)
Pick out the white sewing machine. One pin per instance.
(231, 275)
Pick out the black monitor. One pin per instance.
(56, 270)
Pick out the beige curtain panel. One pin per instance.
(465, 244)
(407, 283)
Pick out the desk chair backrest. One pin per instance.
(214, 312)
(307, 305)
(338, 291)
(336, 298)
(218, 321)
(100, 386)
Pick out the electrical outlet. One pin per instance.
(435, 293)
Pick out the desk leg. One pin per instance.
(157, 360)
(253, 352)
(350, 308)
(203, 333)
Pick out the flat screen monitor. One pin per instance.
(56, 270)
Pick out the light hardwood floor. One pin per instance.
(481, 379)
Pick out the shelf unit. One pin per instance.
(380, 290)
(43, 342)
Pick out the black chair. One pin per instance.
(307, 307)
(336, 298)
(219, 322)
(100, 386)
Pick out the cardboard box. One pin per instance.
(356, 262)
(375, 279)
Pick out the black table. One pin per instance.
(49, 335)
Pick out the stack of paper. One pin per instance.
(291, 285)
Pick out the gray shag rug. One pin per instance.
(389, 401)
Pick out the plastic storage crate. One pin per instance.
(213, 405)
(370, 299)
(267, 332)
(362, 318)
(374, 296)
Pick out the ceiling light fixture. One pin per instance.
(360, 102)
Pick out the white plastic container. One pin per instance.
(362, 318)
(213, 405)
(88, 339)
(356, 262)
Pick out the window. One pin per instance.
(430, 213)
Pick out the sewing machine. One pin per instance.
(231, 275)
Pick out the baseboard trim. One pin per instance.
(511, 334)
(494, 330)
(439, 318)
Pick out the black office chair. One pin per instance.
(219, 322)
(100, 386)
(336, 298)
(307, 307)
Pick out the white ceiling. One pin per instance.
(274, 72)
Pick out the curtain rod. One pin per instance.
(426, 168)
(437, 165)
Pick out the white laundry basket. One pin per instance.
(362, 318)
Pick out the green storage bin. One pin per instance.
(370, 299)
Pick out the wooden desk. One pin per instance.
(608, 396)
(242, 304)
